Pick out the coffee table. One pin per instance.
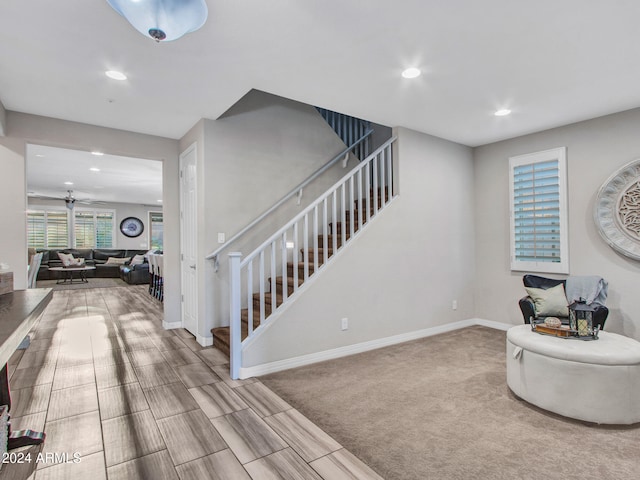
(68, 278)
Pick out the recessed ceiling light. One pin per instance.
(94, 169)
(411, 72)
(68, 183)
(502, 112)
(115, 75)
(97, 153)
(159, 201)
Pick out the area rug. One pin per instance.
(440, 408)
(92, 283)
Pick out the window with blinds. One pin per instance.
(94, 229)
(539, 212)
(47, 229)
(156, 232)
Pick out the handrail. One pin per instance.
(317, 202)
(214, 255)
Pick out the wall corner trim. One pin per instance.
(272, 367)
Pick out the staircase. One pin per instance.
(327, 245)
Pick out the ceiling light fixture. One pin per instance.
(97, 153)
(411, 72)
(68, 183)
(115, 75)
(94, 169)
(163, 19)
(502, 112)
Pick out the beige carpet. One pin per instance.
(439, 408)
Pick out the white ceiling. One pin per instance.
(120, 179)
(552, 62)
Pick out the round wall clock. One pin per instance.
(131, 227)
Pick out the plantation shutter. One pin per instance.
(538, 212)
(94, 229)
(157, 230)
(84, 229)
(36, 230)
(104, 230)
(57, 230)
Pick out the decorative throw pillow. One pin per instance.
(551, 302)
(66, 259)
(137, 260)
(117, 261)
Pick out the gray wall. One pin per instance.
(23, 129)
(595, 149)
(402, 272)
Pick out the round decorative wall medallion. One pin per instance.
(617, 210)
(131, 227)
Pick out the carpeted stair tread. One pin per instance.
(330, 240)
(280, 282)
(290, 268)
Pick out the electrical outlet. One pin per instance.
(220, 237)
(345, 323)
(454, 305)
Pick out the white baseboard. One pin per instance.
(493, 324)
(271, 367)
(171, 325)
(204, 341)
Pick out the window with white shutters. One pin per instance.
(47, 229)
(156, 232)
(538, 195)
(94, 229)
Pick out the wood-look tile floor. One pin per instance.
(120, 398)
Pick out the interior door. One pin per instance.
(188, 239)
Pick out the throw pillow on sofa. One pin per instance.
(137, 260)
(66, 259)
(117, 261)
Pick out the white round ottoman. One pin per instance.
(596, 381)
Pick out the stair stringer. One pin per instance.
(282, 310)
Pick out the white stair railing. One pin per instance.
(317, 233)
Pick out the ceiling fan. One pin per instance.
(69, 200)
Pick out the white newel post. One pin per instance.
(235, 305)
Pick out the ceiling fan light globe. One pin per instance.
(165, 20)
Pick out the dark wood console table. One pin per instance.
(19, 311)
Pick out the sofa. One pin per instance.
(98, 258)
